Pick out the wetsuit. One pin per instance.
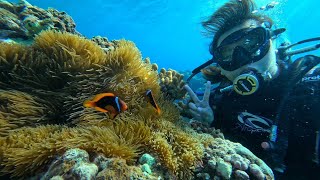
(294, 106)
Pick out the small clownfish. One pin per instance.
(152, 101)
(107, 102)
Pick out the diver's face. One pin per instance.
(266, 65)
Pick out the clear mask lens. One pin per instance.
(251, 42)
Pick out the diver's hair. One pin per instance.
(228, 16)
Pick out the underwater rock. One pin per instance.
(241, 175)
(118, 169)
(22, 21)
(76, 155)
(85, 171)
(7, 5)
(101, 161)
(204, 176)
(73, 164)
(10, 25)
(260, 166)
(147, 159)
(257, 172)
(146, 168)
(57, 178)
(203, 128)
(229, 160)
(104, 43)
(224, 169)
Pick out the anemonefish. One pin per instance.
(152, 101)
(107, 102)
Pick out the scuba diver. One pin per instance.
(265, 101)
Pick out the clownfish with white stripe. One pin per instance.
(107, 102)
(152, 101)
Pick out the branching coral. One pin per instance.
(172, 83)
(154, 66)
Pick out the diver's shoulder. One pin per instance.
(313, 75)
(307, 60)
(304, 77)
(308, 67)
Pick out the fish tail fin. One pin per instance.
(158, 110)
(89, 103)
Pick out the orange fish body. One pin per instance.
(152, 101)
(107, 102)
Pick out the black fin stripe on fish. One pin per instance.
(151, 98)
(109, 100)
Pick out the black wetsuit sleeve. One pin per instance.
(303, 126)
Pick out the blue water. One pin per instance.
(169, 32)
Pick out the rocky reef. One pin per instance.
(21, 21)
(47, 133)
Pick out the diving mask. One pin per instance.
(243, 47)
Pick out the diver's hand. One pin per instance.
(201, 109)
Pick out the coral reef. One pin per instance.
(47, 133)
(84, 69)
(229, 160)
(24, 21)
(104, 43)
(76, 164)
(172, 83)
(199, 127)
(154, 66)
